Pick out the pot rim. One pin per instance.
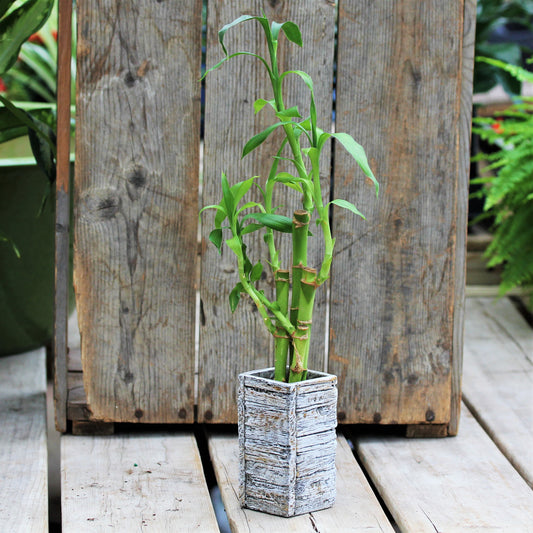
(261, 375)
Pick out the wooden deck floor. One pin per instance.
(150, 480)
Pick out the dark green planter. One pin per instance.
(26, 284)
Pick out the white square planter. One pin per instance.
(287, 442)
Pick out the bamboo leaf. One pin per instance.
(235, 296)
(248, 205)
(257, 270)
(250, 228)
(243, 18)
(312, 108)
(292, 112)
(275, 222)
(216, 238)
(358, 153)
(227, 197)
(218, 207)
(291, 31)
(241, 188)
(261, 102)
(347, 205)
(290, 181)
(227, 58)
(234, 244)
(258, 139)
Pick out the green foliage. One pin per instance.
(492, 14)
(19, 20)
(304, 141)
(508, 196)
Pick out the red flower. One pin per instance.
(3, 86)
(497, 127)
(36, 38)
(54, 34)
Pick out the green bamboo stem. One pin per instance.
(300, 229)
(281, 337)
(302, 336)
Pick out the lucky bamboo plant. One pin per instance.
(290, 324)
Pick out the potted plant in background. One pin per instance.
(287, 413)
(507, 185)
(27, 69)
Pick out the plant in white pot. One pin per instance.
(287, 414)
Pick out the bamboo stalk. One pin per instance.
(281, 337)
(302, 336)
(300, 225)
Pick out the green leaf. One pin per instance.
(305, 77)
(262, 20)
(241, 188)
(10, 126)
(258, 139)
(292, 32)
(358, 153)
(227, 197)
(216, 238)
(257, 270)
(292, 112)
(4, 6)
(5, 238)
(218, 207)
(227, 58)
(31, 122)
(261, 102)
(17, 26)
(517, 72)
(250, 228)
(312, 108)
(347, 205)
(234, 244)
(291, 181)
(235, 296)
(248, 205)
(275, 222)
(44, 156)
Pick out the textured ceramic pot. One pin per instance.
(287, 442)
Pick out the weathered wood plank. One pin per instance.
(225, 351)
(498, 377)
(23, 456)
(136, 206)
(62, 226)
(393, 288)
(460, 215)
(356, 508)
(454, 485)
(148, 482)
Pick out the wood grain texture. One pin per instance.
(62, 231)
(136, 206)
(392, 296)
(461, 211)
(287, 443)
(230, 344)
(150, 482)
(356, 509)
(23, 456)
(453, 485)
(498, 377)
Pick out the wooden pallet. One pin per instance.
(157, 480)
